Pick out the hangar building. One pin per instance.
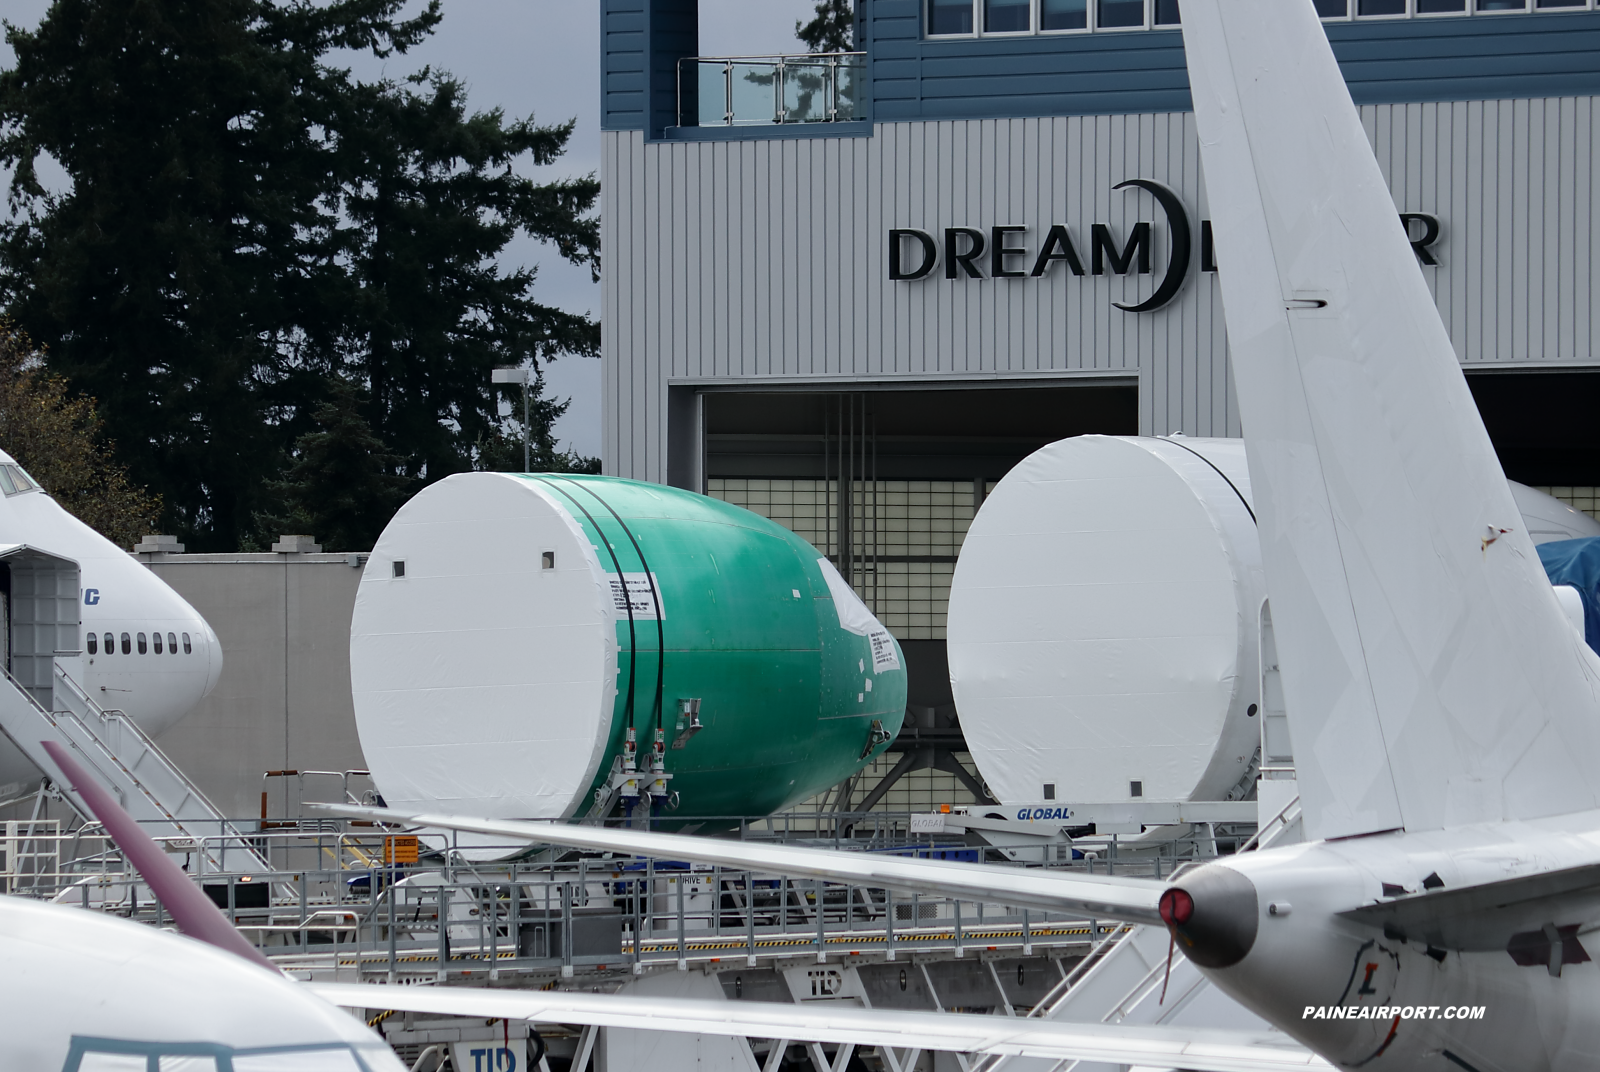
(851, 291)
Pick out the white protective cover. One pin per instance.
(1548, 519)
(1431, 678)
(1103, 622)
(480, 678)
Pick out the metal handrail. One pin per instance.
(226, 830)
(780, 66)
(1265, 828)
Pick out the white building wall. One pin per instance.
(764, 260)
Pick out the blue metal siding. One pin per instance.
(640, 43)
(622, 59)
(1109, 73)
(1477, 58)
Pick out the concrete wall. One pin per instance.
(283, 701)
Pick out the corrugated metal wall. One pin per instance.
(749, 261)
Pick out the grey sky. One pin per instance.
(542, 57)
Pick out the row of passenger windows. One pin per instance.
(129, 642)
(964, 18)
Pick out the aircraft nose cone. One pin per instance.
(1212, 914)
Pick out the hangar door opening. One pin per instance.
(884, 483)
(1542, 425)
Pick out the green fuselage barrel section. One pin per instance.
(788, 698)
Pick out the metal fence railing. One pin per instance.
(356, 900)
(762, 90)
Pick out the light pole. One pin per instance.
(518, 375)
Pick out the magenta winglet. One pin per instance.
(188, 905)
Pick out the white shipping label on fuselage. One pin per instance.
(883, 656)
(644, 594)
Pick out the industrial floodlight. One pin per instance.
(523, 376)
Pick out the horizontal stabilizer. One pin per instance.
(1097, 896)
(1202, 1049)
(1489, 915)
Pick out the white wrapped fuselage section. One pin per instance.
(1104, 619)
(483, 653)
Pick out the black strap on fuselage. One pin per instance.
(650, 577)
(633, 644)
(1219, 472)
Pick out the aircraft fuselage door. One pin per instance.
(43, 619)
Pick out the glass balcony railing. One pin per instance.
(732, 91)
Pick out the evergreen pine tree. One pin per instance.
(832, 28)
(244, 220)
(341, 487)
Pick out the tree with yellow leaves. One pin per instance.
(55, 435)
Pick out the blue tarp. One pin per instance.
(1577, 562)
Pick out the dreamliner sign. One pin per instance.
(1003, 252)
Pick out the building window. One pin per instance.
(172, 644)
(142, 644)
(186, 648)
(946, 17)
(127, 644)
(1063, 14)
(1120, 15)
(1007, 16)
(982, 18)
(92, 644)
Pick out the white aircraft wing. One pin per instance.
(1430, 678)
(1201, 1049)
(1098, 896)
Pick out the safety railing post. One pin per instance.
(388, 891)
(635, 890)
(566, 929)
(888, 922)
(444, 930)
(514, 915)
(750, 918)
(822, 890)
(492, 899)
(683, 962)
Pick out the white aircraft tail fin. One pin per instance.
(1431, 679)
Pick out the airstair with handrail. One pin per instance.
(167, 804)
(41, 701)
